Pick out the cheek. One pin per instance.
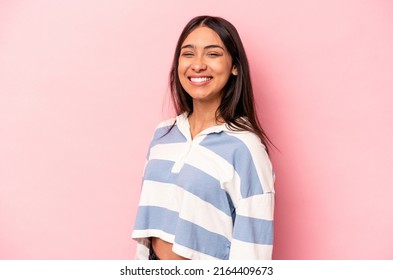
(182, 80)
(224, 68)
(181, 75)
(182, 66)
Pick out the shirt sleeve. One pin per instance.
(253, 228)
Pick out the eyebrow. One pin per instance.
(189, 46)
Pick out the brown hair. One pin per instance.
(237, 103)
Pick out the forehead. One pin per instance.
(203, 36)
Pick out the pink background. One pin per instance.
(83, 84)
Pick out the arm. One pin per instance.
(253, 228)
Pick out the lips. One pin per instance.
(200, 79)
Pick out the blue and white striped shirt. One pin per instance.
(211, 196)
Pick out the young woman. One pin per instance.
(208, 186)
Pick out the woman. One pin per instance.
(208, 186)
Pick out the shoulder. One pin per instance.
(237, 147)
(164, 127)
(246, 139)
(174, 121)
(167, 132)
(251, 161)
(166, 123)
(241, 129)
(247, 147)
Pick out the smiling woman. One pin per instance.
(208, 186)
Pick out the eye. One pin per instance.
(187, 54)
(213, 54)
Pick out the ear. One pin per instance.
(234, 70)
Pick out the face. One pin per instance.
(204, 65)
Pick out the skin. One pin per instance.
(204, 68)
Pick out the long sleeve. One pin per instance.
(253, 228)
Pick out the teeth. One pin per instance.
(200, 79)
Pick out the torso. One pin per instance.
(173, 193)
(164, 251)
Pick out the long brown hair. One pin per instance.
(237, 103)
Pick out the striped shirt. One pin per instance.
(211, 196)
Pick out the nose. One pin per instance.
(198, 65)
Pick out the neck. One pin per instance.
(202, 118)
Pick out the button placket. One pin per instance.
(180, 162)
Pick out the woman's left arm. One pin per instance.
(253, 230)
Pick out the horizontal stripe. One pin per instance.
(205, 215)
(205, 160)
(190, 179)
(173, 198)
(153, 217)
(198, 156)
(253, 230)
(237, 154)
(199, 239)
(186, 233)
(171, 152)
(258, 206)
(162, 195)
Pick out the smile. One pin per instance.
(199, 79)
